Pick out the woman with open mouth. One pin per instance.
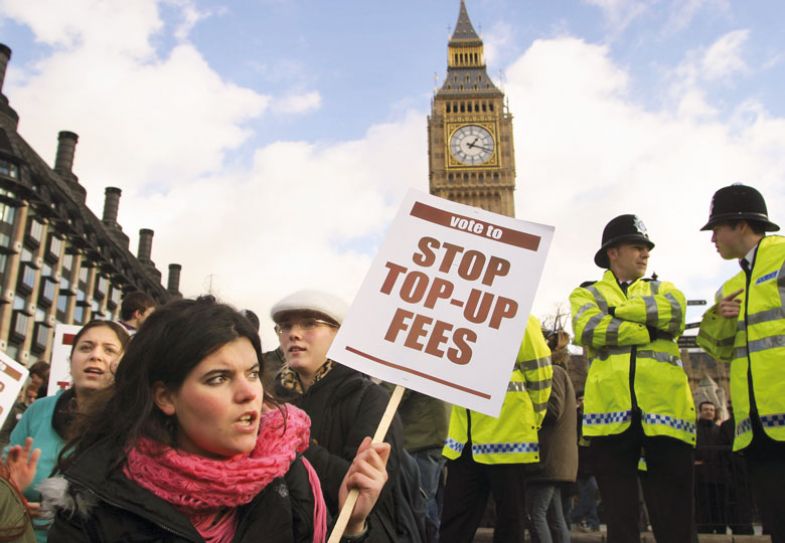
(95, 353)
(189, 447)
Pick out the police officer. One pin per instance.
(637, 397)
(746, 327)
(488, 454)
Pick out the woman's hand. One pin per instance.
(22, 463)
(367, 474)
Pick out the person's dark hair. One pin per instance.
(757, 227)
(120, 332)
(173, 341)
(41, 369)
(700, 405)
(251, 316)
(67, 421)
(135, 301)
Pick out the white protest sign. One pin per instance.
(445, 304)
(12, 376)
(60, 367)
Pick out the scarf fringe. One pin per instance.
(319, 507)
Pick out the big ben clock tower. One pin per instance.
(470, 149)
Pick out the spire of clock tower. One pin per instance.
(464, 31)
(466, 60)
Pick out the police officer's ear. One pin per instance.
(612, 252)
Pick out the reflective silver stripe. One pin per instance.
(739, 352)
(612, 333)
(537, 363)
(584, 308)
(539, 385)
(727, 342)
(516, 387)
(774, 314)
(588, 331)
(604, 352)
(655, 287)
(771, 342)
(652, 311)
(540, 406)
(741, 326)
(676, 314)
(598, 298)
(661, 357)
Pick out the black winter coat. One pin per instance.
(110, 508)
(345, 407)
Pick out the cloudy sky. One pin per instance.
(269, 142)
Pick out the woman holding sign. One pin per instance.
(51, 421)
(344, 405)
(190, 448)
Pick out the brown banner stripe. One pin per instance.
(418, 373)
(68, 339)
(13, 373)
(444, 218)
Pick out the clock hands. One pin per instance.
(473, 145)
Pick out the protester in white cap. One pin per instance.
(344, 405)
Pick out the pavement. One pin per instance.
(485, 535)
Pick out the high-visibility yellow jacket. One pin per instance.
(754, 343)
(510, 438)
(628, 370)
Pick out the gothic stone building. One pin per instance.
(59, 263)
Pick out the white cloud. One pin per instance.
(140, 124)
(123, 27)
(500, 37)
(683, 12)
(146, 121)
(303, 215)
(724, 57)
(701, 69)
(191, 15)
(298, 103)
(620, 13)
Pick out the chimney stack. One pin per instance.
(111, 206)
(5, 56)
(145, 245)
(66, 146)
(173, 286)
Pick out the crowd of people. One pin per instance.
(178, 427)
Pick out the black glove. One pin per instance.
(655, 334)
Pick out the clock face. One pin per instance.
(471, 145)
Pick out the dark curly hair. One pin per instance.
(172, 342)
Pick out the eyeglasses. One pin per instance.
(306, 325)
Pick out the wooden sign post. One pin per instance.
(378, 437)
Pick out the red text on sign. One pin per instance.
(430, 336)
(472, 265)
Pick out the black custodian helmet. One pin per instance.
(737, 202)
(622, 229)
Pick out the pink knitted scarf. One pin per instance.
(203, 488)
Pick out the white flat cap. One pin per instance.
(311, 300)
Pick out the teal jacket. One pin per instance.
(37, 423)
